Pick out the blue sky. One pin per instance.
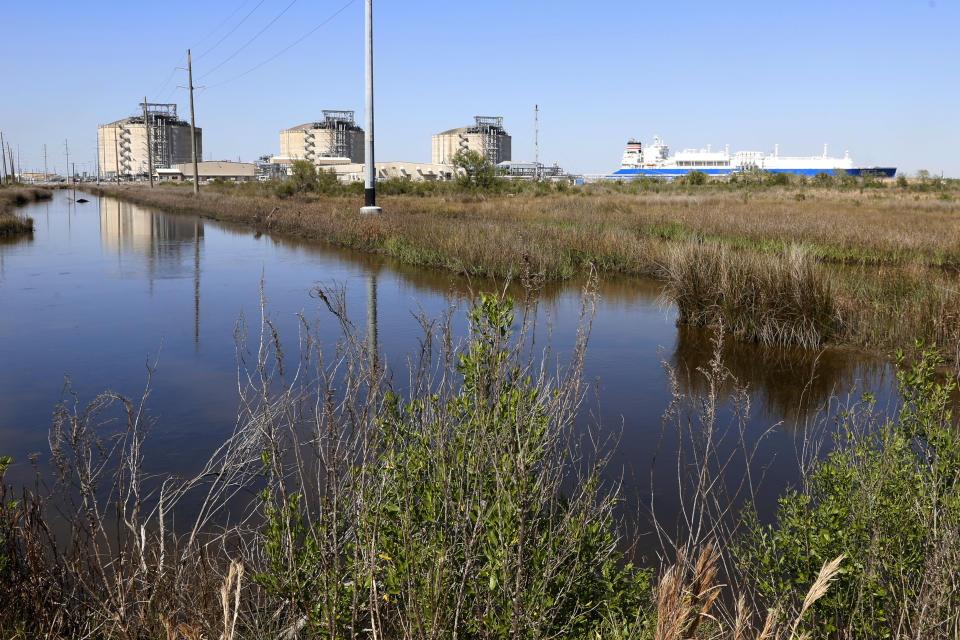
(877, 78)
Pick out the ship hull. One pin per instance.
(676, 172)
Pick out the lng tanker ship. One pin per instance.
(655, 161)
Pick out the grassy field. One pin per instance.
(14, 196)
(874, 265)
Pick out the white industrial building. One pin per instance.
(122, 145)
(335, 138)
(487, 136)
(416, 171)
(210, 170)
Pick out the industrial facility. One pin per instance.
(210, 170)
(336, 136)
(487, 136)
(532, 171)
(122, 145)
(415, 171)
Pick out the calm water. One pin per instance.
(102, 286)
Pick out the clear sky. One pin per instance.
(877, 78)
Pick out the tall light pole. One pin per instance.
(370, 172)
(193, 128)
(146, 124)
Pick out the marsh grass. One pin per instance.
(878, 275)
(12, 197)
(759, 298)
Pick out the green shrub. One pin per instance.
(462, 525)
(778, 179)
(303, 176)
(284, 189)
(476, 170)
(823, 179)
(888, 499)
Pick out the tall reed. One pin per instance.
(765, 299)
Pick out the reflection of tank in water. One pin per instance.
(791, 382)
(166, 242)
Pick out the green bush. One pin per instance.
(284, 189)
(823, 179)
(888, 499)
(476, 171)
(778, 179)
(303, 176)
(462, 525)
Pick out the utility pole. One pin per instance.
(44, 163)
(370, 181)
(66, 148)
(19, 166)
(193, 129)
(146, 123)
(3, 166)
(116, 156)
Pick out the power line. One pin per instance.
(327, 21)
(235, 27)
(247, 43)
(168, 78)
(222, 22)
(181, 62)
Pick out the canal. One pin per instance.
(101, 288)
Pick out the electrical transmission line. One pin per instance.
(309, 33)
(248, 42)
(228, 33)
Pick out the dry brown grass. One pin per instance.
(891, 258)
(11, 197)
(687, 591)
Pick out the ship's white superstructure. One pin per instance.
(655, 160)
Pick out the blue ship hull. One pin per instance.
(629, 174)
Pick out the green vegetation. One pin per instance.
(472, 507)
(306, 179)
(463, 528)
(476, 172)
(887, 499)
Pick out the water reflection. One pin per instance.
(372, 344)
(792, 383)
(103, 284)
(161, 242)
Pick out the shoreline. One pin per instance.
(887, 279)
(11, 224)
